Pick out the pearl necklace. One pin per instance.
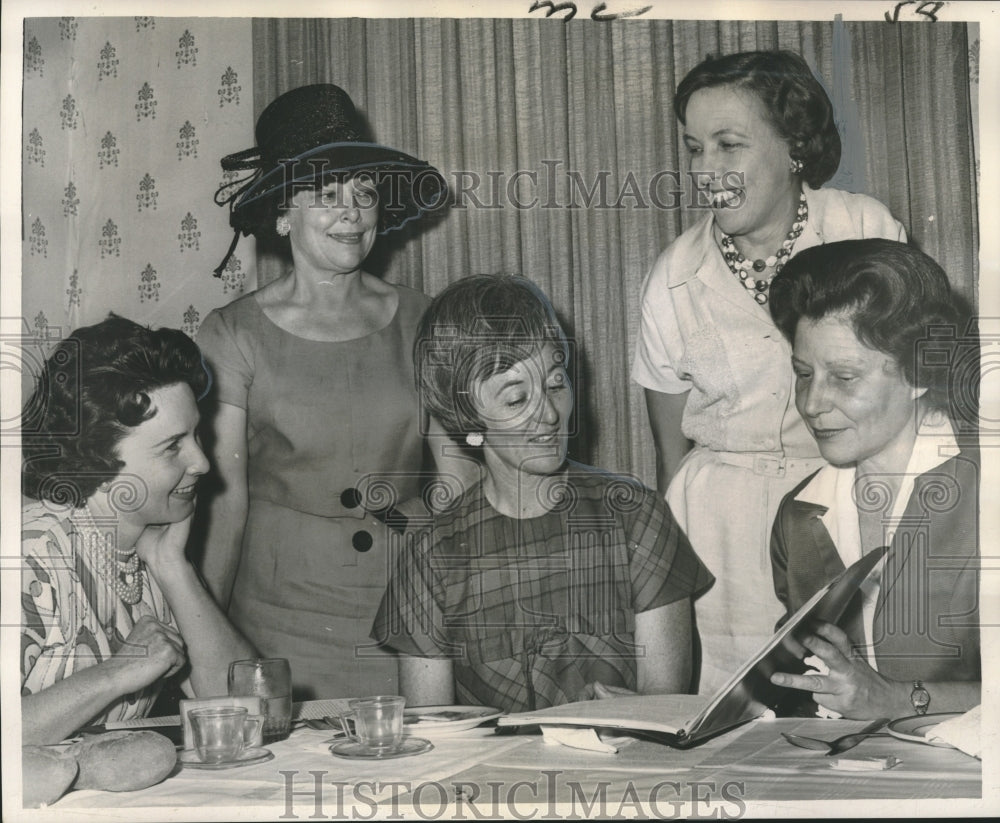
(125, 576)
(744, 269)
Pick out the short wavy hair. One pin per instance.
(477, 327)
(898, 301)
(796, 103)
(94, 388)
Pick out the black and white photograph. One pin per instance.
(523, 410)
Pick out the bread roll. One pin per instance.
(46, 773)
(123, 761)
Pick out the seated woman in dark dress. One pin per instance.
(875, 331)
(549, 581)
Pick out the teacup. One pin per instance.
(378, 721)
(221, 734)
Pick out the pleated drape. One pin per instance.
(528, 118)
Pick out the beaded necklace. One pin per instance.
(745, 269)
(125, 576)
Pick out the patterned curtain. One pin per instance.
(124, 123)
(484, 99)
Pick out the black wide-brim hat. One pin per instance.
(309, 136)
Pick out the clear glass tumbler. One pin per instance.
(270, 679)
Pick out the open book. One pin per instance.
(686, 719)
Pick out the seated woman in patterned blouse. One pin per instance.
(110, 605)
(549, 581)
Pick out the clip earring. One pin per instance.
(795, 165)
(282, 226)
(474, 439)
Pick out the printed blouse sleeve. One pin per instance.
(232, 372)
(42, 662)
(663, 566)
(410, 616)
(658, 347)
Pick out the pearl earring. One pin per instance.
(795, 165)
(283, 226)
(474, 439)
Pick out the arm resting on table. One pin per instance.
(212, 642)
(151, 651)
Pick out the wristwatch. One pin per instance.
(920, 697)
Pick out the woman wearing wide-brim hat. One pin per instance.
(318, 423)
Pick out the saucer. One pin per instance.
(189, 759)
(445, 720)
(355, 751)
(916, 728)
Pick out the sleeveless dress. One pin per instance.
(334, 433)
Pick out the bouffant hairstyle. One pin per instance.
(798, 107)
(93, 389)
(897, 300)
(477, 327)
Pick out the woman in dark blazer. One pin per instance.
(876, 335)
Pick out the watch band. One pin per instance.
(920, 697)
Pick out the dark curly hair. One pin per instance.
(93, 388)
(798, 107)
(898, 301)
(477, 327)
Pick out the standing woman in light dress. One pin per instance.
(761, 137)
(318, 428)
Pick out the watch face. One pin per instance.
(920, 698)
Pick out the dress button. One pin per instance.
(362, 541)
(350, 498)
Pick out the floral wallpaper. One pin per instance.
(124, 123)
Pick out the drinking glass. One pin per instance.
(270, 679)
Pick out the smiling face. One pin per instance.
(164, 453)
(333, 228)
(526, 410)
(739, 158)
(854, 399)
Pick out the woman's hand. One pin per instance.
(852, 687)
(164, 547)
(151, 651)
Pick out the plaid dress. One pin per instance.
(532, 610)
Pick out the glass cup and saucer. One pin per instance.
(374, 730)
(225, 737)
